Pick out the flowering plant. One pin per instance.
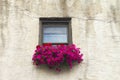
(56, 56)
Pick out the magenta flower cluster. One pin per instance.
(56, 56)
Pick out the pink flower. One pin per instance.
(56, 56)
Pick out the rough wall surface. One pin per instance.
(95, 29)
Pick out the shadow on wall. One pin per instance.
(64, 69)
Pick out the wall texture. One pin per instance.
(95, 28)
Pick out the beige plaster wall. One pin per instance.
(95, 28)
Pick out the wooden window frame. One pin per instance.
(56, 21)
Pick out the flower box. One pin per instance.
(56, 56)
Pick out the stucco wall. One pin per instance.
(95, 29)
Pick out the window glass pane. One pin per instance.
(55, 33)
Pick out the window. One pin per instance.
(55, 30)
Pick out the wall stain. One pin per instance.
(113, 13)
(4, 17)
(64, 8)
